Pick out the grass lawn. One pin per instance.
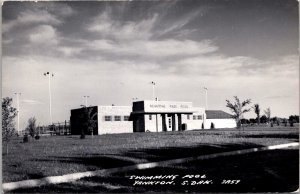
(57, 155)
(269, 171)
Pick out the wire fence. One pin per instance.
(59, 128)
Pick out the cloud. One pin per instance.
(43, 34)
(129, 30)
(31, 17)
(32, 102)
(162, 48)
(69, 51)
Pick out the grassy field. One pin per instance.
(57, 155)
(270, 171)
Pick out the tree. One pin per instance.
(263, 119)
(294, 118)
(252, 121)
(8, 125)
(268, 114)
(89, 121)
(31, 126)
(257, 112)
(238, 109)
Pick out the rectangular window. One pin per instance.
(199, 117)
(194, 117)
(188, 117)
(126, 118)
(107, 118)
(117, 118)
(150, 117)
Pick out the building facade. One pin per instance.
(152, 116)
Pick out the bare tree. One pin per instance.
(238, 109)
(257, 112)
(31, 126)
(268, 114)
(8, 125)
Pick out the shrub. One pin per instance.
(212, 125)
(202, 126)
(37, 137)
(25, 138)
(271, 124)
(292, 124)
(82, 136)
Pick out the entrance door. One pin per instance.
(169, 123)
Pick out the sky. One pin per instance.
(112, 50)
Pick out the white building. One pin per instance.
(152, 116)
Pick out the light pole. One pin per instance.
(153, 89)
(86, 100)
(49, 74)
(18, 111)
(206, 97)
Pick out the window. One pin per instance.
(117, 118)
(194, 117)
(150, 117)
(107, 118)
(126, 118)
(199, 117)
(188, 117)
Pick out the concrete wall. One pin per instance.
(194, 123)
(150, 125)
(220, 123)
(113, 126)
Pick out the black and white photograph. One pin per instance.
(160, 96)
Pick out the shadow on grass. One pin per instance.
(100, 161)
(268, 171)
(169, 153)
(285, 136)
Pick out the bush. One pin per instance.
(82, 136)
(212, 125)
(202, 126)
(25, 138)
(37, 137)
(292, 124)
(271, 124)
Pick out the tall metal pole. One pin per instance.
(50, 100)
(206, 107)
(86, 100)
(18, 112)
(153, 89)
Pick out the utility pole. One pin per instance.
(206, 107)
(153, 89)
(18, 111)
(49, 74)
(86, 100)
